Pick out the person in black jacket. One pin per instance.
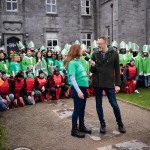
(106, 76)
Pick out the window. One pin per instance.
(85, 7)
(86, 39)
(108, 33)
(51, 39)
(11, 5)
(51, 6)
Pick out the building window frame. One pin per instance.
(53, 39)
(86, 38)
(11, 4)
(85, 7)
(51, 4)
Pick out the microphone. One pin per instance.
(87, 58)
(90, 60)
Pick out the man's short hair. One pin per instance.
(104, 38)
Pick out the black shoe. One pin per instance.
(82, 128)
(103, 128)
(75, 132)
(121, 128)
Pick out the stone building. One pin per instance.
(57, 22)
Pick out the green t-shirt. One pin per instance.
(15, 67)
(76, 68)
(50, 62)
(59, 64)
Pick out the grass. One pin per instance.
(142, 99)
(2, 138)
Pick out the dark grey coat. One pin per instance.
(106, 72)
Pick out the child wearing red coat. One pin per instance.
(19, 90)
(56, 84)
(30, 85)
(131, 78)
(5, 91)
(40, 87)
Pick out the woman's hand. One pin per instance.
(80, 94)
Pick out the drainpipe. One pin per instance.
(111, 5)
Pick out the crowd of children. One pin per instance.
(134, 66)
(34, 75)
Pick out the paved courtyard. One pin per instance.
(47, 126)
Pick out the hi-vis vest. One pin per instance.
(132, 71)
(57, 79)
(18, 86)
(30, 84)
(42, 82)
(4, 88)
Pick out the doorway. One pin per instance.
(12, 44)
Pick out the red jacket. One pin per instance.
(30, 84)
(130, 73)
(54, 80)
(5, 88)
(39, 83)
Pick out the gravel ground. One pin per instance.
(38, 127)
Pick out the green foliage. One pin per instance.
(142, 99)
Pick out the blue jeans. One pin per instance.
(79, 105)
(147, 81)
(110, 92)
(2, 105)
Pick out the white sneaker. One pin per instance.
(136, 91)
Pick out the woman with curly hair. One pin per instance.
(78, 80)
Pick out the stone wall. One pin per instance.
(109, 18)
(132, 21)
(68, 22)
(148, 23)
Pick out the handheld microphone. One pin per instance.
(91, 61)
(87, 58)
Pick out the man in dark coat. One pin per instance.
(106, 76)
